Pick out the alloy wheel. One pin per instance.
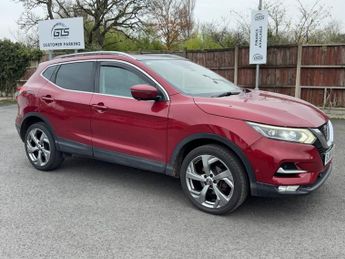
(209, 181)
(38, 147)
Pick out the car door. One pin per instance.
(65, 103)
(125, 130)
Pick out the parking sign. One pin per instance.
(61, 34)
(258, 38)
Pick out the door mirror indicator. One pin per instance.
(145, 92)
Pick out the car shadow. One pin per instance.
(262, 209)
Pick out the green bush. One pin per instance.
(14, 59)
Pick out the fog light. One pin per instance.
(288, 188)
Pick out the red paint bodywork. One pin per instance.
(153, 129)
(144, 92)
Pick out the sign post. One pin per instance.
(258, 40)
(60, 34)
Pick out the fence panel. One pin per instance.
(316, 73)
(321, 78)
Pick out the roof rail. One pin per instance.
(95, 53)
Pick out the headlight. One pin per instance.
(288, 134)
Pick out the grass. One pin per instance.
(4, 102)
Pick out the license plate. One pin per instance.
(328, 156)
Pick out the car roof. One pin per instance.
(117, 54)
(157, 56)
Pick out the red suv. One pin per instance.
(166, 114)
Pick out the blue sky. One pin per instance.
(205, 11)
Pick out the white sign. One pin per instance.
(61, 34)
(258, 38)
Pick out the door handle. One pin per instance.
(100, 107)
(47, 99)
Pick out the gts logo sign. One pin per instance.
(60, 30)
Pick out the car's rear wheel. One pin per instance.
(213, 179)
(41, 149)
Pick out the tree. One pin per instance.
(331, 33)
(15, 58)
(172, 20)
(279, 24)
(223, 35)
(187, 18)
(100, 16)
(310, 20)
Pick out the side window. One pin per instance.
(48, 73)
(76, 76)
(118, 81)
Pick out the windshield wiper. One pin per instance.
(226, 94)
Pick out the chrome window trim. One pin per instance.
(165, 93)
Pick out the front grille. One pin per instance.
(320, 148)
(323, 136)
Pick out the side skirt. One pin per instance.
(72, 147)
(127, 160)
(76, 148)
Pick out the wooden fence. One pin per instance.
(315, 73)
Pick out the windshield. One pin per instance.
(191, 78)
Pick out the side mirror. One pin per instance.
(144, 92)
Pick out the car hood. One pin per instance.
(264, 107)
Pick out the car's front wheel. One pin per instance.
(41, 149)
(213, 179)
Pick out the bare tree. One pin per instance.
(331, 33)
(187, 18)
(100, 16)
(222, 34)
(309, 21)
(172, 20)
(279, 23)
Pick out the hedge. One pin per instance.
(14, 59)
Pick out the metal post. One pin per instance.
(50, 54)
(257, 77)
(75, 51)
(236, 66)
(298, 71)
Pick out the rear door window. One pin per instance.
(77, 76)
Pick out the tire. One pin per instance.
(41, 149)
(213, 179)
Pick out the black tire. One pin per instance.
(237, 194)
(55, 158)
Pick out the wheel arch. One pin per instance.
(31, 118)
(191, 142)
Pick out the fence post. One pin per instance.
(298, 72)
(324, 97)
(236, 66)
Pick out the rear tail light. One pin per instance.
(18, 89)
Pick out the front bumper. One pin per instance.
(268, 190)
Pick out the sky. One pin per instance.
(205, 11)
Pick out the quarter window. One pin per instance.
(76, 76)
(48, 73)
(118, 81)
